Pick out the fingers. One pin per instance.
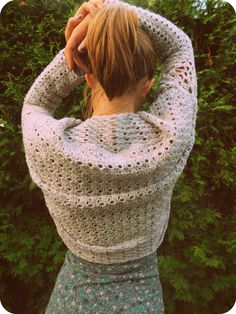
(82, 46)
(69, 58)
(86, 8)
(77, 36)
(79, 33)
(71, 24)
(76, 30)
(75, 20)
(97, 3)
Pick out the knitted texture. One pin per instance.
(108, 180)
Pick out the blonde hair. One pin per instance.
(119, 53)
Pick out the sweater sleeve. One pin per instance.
(40, 130)
(174, 110)
(52, 85)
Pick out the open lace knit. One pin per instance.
(108, 180)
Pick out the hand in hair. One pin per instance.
(76, 31)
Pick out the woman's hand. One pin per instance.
(76, 31)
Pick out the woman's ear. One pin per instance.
(147, 86)
(90, 80)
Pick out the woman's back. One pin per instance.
(108, 181)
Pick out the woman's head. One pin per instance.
(119, 53)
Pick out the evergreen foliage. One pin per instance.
(197, 257)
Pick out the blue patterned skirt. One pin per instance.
(84, 287)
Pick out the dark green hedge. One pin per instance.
(197, 257)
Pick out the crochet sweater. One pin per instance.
(108, 181)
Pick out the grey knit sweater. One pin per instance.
(108, 180)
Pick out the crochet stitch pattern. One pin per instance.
(108, 180)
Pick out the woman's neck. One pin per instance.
(103, 106)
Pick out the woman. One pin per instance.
(108, 180)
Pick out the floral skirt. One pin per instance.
(85, 287)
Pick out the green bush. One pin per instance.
(197, 257)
